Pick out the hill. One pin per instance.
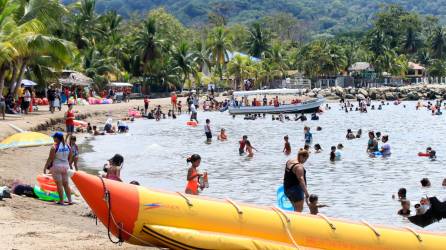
(331, 16)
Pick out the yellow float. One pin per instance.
(143, 216)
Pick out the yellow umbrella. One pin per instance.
(26, 139)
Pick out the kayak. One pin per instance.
(180, 221)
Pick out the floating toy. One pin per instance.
(78, 123)
(282, 200)
(205, 223)
(192, 123)
(421, 154)
(47, 196)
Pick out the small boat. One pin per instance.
(143, 216)
(309, 106)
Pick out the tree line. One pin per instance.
(39, 38)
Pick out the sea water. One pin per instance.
(357, 187)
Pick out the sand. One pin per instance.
(27, 223)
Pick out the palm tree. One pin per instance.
(237, 68)
(219, 45)
(438, 43)
(185, 60)
(147, 42)
(411, 41)
(258, 42)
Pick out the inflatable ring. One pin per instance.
(421, 154)
(377, 153)
(47, 196)
(45, 179)
(48, 187)
(78, 123)
(192, 123)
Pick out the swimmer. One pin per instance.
(425, 182)
(307, 135)
(350, 135)
(444, 182)
(96, 132)
(333, 154)
(339, 149)
(222, 136)
(318, 128)
(317, 148)
(242, 144)
(113, 168)
(193, 175)
(378, 136)
(402, 192)
(372, 145)
(207, 130)
(385, 148)
(307, 148)
(359, 133)
(287, 146)
(405, 208)
(249, 149)
(313, 204)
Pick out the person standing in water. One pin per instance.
(207, 130)
(295, 180)
(58, 163)
(222, 136)
(287, 146)
(193, 111)
(242, 144)
(193, 176)
(307, 135)
(372, 145)
(249, 149)
(385, 148)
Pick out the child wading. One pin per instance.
(193, 177)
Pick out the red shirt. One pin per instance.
(146, 101)
(70, 118)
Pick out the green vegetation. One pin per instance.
(38, 38)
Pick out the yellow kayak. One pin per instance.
(143, 216)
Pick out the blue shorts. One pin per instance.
(70, 128)
(295, 193)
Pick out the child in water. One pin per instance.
(307, 135)
(193, 176)
(287, 146)
(222, 136)
(405, 208)
(333, 154)
(207, 130)
(317, 148)
(313, 204)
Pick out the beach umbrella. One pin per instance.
(28, 83)
(26, 139)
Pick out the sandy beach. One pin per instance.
(27, 223)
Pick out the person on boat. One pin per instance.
(287, 146)
(242, 145)
(193, 176)
(249, 149)
(350, 135)
(385, 148)
(207, 130)
(317, 148)
(58, 163)
(405, 208)
(74, 152)
(222, 136)
(295, 180)
(193, 111)
(372, 145)
(425, 182)
(307, 135)
(265, 101)
(69, 120)
(113, 168)
(313, 204)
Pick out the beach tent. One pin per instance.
(26, 139)
(120, 84)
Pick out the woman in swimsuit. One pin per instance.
(193, 175)
(113, 168)
(249, 149)
(295, 181)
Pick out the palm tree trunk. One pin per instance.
(2, 80)
(20, 76)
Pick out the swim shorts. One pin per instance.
(295, 193)
(59, 173)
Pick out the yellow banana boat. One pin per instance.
(143, 216)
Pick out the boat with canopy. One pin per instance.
(308, 106)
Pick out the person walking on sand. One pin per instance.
(146, 104)
(69, 120)
(295, 180)
(58, 163)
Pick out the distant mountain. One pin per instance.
(322, 15)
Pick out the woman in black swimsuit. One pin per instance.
(295, 181)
